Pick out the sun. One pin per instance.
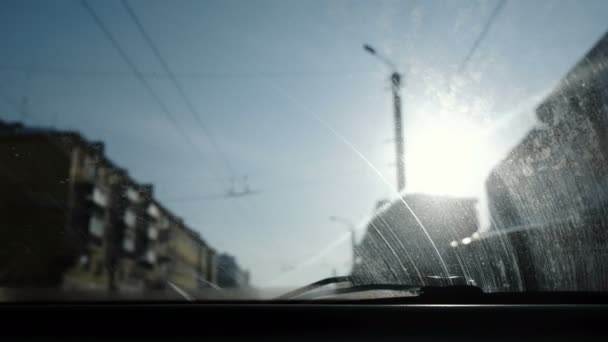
(446, 158)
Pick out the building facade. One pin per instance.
(35, 177)
(72, 218)
(186, 250)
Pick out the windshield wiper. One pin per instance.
(435, 292)
(309, 291)
(311, 287)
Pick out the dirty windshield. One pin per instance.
(202, 150)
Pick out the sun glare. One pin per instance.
(446, 159)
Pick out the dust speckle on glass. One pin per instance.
(161, 151)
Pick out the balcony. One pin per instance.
(96, 227)
(133, 195)
(150, 257)
(152, 233)
(128, 244)
(153, 211)
(130, 218)
(99, 197)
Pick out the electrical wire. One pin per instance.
(138, 75)
(497, 9)
(190, 106)
(178, 86)
(289, 186)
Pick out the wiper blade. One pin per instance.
(422, 292)
(311, 287)
(329, 293)
(301, 293)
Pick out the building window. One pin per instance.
(96, 226)
(163, 235)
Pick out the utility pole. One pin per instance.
(395, 79)
(395, 87)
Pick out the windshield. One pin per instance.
(206, 150)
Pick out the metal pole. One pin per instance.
(395, 86)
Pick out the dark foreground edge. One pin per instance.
(549, 320)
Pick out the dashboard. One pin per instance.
(300, 321)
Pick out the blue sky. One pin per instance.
(282, 85)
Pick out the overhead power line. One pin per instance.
(183, 94)
(194, 113)
(143, 81)
(280, 187)
(482, 34)
(178, 86)
(138, 75)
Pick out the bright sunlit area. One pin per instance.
(447, 158)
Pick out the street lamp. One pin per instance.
(351, 228)
(395, 79)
